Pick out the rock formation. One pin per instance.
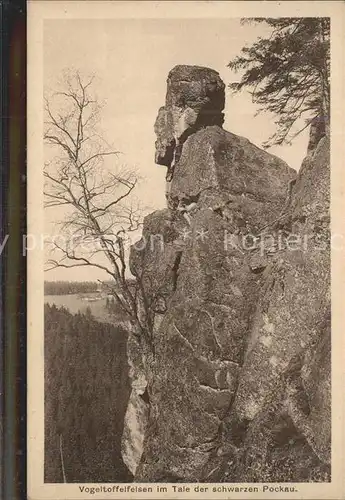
(237, 270)
(136, 416)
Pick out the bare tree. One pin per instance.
(84, 177)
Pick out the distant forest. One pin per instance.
(86, 395)
(69, 287)
(74, 287)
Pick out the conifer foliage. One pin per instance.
(287, 73)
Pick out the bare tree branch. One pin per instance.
(83, 179)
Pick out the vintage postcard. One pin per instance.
(185, 250)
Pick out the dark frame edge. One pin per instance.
(13, 263)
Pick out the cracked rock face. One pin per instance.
(240, 381)
(136, 417)
(219, 167)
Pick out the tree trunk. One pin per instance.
(62, 460)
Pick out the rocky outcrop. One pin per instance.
(237, 273)
(136, 417)
(282, 368)
(195, 98)
(317, 132)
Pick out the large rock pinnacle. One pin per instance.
(195, 98)
(239, 385)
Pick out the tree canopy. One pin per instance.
(287, 73)
(86, 394)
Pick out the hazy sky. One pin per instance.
(132, 58)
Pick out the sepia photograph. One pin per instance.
(183, 283)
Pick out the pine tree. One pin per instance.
(287, 74)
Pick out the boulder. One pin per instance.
(195, 98)
(220, 168)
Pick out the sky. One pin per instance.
(131, 59)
